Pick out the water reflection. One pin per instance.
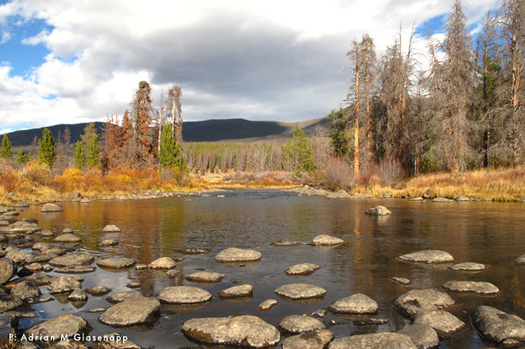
(482, 232)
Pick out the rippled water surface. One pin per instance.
(484, 232)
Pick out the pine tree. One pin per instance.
(6, 152)
(22, 157)
(169, 152)
(300, 154)
(46, 148)
(93, 155)
(80, 159)
(338, 132)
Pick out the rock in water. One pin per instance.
(67, 238)
(237, 292)
(72, 259)
(414, 301)
(480, 287)
(326, 240)
(298, 323)
(309, 340)
(7, 270)
(355, 304)
(9, 302)
(117, 263)
(110, 228)
(204, 276)
(386, 340)
(134, 312)
(163, 263)
(184, 295)
(378, 211)
(498, 326)
(63, 284)
(468, 266)
(238, 255)
(428, 256)
(67, 325)
(302, 269)
(300, 291)
(247, 331)
(442, 321)
(51, 208)
(423, 336)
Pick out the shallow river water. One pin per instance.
(484, 232)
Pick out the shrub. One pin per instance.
(390, 171)
(37, 172)
(338, 174)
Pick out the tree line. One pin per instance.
(465, 111)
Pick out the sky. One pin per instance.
(66, 62)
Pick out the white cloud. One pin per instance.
(272, 59)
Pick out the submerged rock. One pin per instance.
(63, 284)
(302, 269)
(108, 242)
(25, 289)
(520, 259)
(184, 295)
(386, 340)
(76, 269)
(67, 238)
(480, 287)
(326, 240)
(423, 336)
(298, 323)
(99, 290)
(442, 321)
(300, 291)
(124, 296)
(468, 266)
(238, 255)
(9, 302)
(414, 301)
(237, 292)
(110, 228)
(132, 312)
(78, 295)
(498, 326)
(355, 304)
(401, 280)
(247, 331)
(378, 211)
(427, 256)
(317, 339)
(63, 325)
(284, 242)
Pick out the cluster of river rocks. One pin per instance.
(22, 274)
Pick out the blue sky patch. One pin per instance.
(435, 25)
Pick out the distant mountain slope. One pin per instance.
(194, 131)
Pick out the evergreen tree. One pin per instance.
(93, 155)
(22, 157)
(300, 154)
(6, 151)
(169, 152)
(80, 159)
(46, 148)
(339, 138)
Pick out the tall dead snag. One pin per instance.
(362, 56)
(142, 141)
(175, 112)
(512, 14)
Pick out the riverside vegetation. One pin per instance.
(456, 127)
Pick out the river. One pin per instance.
(483, 232)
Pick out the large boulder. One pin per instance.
(205, 276)
(480, 287)
(63, 325)
(300, 291)
(386, 340)
(427, 256)
(504, 329)
(25, 289)
(238, 255)
(247, 331)
(298, 323)
(133, 312)
(355, 304)
(184, 295)
(237, 292)
(414, 301)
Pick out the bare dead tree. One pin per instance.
(175, 112)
